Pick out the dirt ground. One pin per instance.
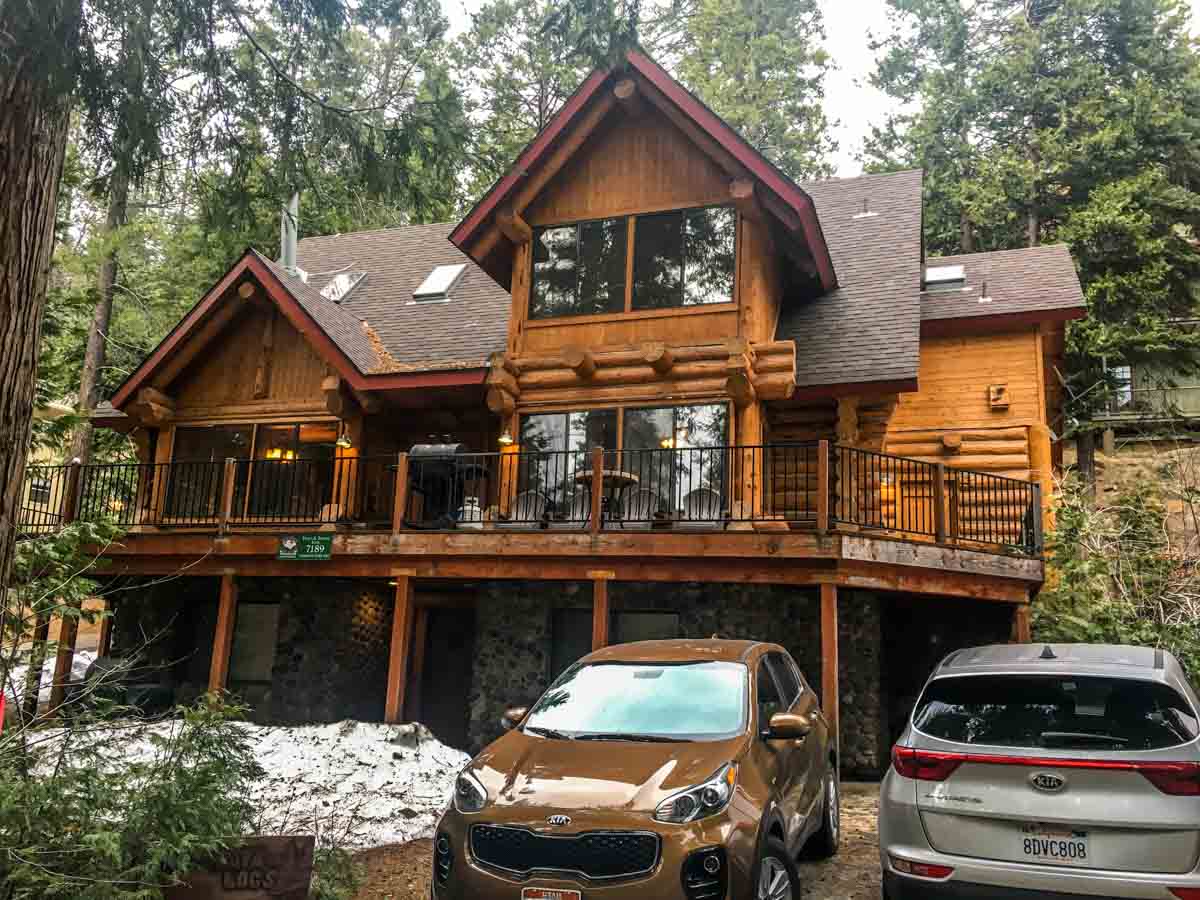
(401, 872)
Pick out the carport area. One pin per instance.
(401, 871)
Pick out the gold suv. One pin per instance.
(697, 770)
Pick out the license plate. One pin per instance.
(1050, 844)
(549, 894)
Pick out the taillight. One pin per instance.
(925, 765)
(920, 870)
(1186, 893)
(1178, 780)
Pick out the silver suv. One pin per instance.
(1046, 772)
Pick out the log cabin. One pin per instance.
(649, 387)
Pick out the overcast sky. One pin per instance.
(850, 100)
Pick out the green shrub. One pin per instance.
(1125, 572)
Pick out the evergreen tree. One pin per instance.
(1070, 121)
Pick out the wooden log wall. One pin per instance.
(576, 377)
(798, 424)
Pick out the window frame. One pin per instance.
(628, 311)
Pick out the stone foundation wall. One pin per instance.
(514, 631)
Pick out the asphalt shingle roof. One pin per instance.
(401, 334)
(1035, 279)
(869, 329)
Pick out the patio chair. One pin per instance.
(702, 508)
(578, 512)
(638, 509)
(530, 508)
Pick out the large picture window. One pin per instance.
(679, 456)
(680, 258)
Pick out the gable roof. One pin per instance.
(1035, 283)
(869, 328)
(347, 342)
(460, 332)
(782, 197)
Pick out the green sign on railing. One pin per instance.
(305, 546)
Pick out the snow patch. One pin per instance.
(362, 784)
(14, 685)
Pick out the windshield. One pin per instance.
(648, 701)
(1055, 711)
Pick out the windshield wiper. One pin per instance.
(549, 733)
(623, 736)
(1062, 738)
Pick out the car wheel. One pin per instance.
(777, 876)
(824, 841)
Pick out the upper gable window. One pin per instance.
(579, 269)
(683, 258)
(680, 258)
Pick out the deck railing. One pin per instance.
(814, 486)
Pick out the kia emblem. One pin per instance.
(559, 821)
(1047, 782)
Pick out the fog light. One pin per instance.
(712, 864)
(443, 844)
(443, 859)
(920, 870)
(704, 875)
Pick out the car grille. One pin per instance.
(594, 854)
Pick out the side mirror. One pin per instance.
(512, 717)
(788, 727)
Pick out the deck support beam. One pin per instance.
(1022, 630)
(218, 671)
(829, 658)
(600, 580)
(68, 632)
(401, 648)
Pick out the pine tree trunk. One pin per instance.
(966, 233)
(97, 345)
(1085, 452)
(33, 140)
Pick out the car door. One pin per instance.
(800, 769)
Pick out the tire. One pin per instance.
(824, 841)
(775, 876)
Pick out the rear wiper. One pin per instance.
(549, 733)
(1080, 737)
(620, 736)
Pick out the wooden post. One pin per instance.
(104, 643)
(218, 671)
(597, 490)
(823, 487)
(400, 501)
(401, 648)
(228, 483)
(600, 581)
(70, 500)
(939, 503)
(1022, 630)
(1039, 535)
(416, 669)
(68, 631)
(829, 657)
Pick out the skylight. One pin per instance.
(341, 285)
(439, 282)
(944, 278)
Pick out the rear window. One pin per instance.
(1055, 712)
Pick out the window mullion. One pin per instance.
(630, 239)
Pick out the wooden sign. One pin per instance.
(262, 868)
(305, 547)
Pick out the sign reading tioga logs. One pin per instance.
(262, 868)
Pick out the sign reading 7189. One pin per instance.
(305, 546)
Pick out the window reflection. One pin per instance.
(679, 456)
(579, 269)
(566, 439)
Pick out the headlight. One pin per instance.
(701, 801)
(470, 796)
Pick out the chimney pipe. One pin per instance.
(289, 225)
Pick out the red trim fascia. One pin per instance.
(830, 391)
(408, 380)
(787, 190)
(464, 232)
(194, 318)
(997, 322)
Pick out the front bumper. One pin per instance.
(902, 834)
(471, 880)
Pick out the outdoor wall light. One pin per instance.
(506, 438)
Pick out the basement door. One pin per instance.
(446, 676)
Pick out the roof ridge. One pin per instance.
(1057, 245)
(862, 176)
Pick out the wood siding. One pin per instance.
(221, 383)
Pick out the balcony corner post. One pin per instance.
(1038, 515)
(939, 502)
(597, 487)
(823, 487)
(228, 484)
(400, 500)
(70, 506)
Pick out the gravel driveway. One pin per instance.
(401, 871)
